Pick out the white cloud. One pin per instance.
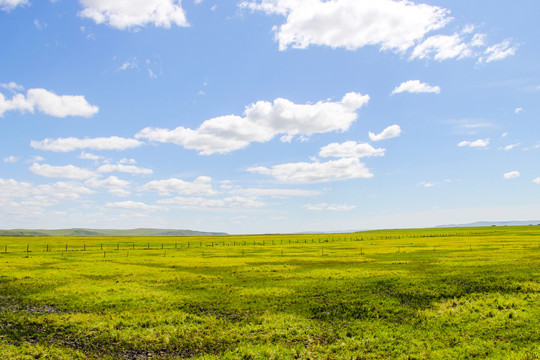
(510, 147)
(127, 161)
(198, 202)
(121, 14)
(67, 171)
(426, 184)
(12, 86)
(350, 149)
(352, 24)
(71, 143)
(112, 182)
(10, 188)
(388, 133)
(537, 181)
(201, 186)
(511, 175)
(500, 51)
(130, 169)
(48, 103)
(133, 206)
(518, 110)
(262, 121)
(327, 207)
(303, 172)
(11, 159)
(62, 191)
(416, 87)
(398, 26)
(442, 47)
(276, 192)
(41, 195)
(7, 5)
(89, 156)
(119, 192)
(477, 143)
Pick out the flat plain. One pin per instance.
(454, 293)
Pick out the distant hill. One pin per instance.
(104, 232)
(494, 223)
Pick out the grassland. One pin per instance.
(396, 294)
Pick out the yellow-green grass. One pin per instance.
(423, 293)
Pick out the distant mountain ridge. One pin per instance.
(105, 232)
(494, 223)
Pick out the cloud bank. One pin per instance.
(261, 122)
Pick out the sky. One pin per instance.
(268, 116)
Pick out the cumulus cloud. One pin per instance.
(133, 206)
(130, 169)
(350, 149)
(262, 121)
(416, 87)
(304, 172)
(518, 110)
(71, 143)
(352, 24)
(511, 175)
(481, 143)
(66, 171)
(537, 181)
(201, 186)
(328, 207)
(388, 133)
(123, 15)
(199, 202)
(7, 5)
(48, 103)
(397, 26)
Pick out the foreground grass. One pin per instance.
(421, 294)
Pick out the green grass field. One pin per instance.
(455, 293)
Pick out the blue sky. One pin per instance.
(265, 116)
